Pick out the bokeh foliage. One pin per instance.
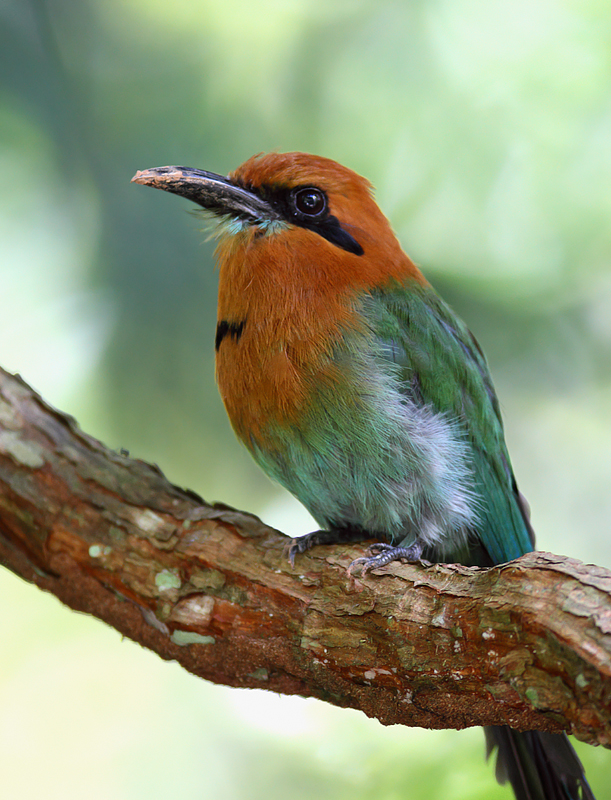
(486, 129)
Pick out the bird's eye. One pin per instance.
(309, 201)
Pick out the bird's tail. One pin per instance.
(539, 766)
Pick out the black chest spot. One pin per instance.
(225, 328)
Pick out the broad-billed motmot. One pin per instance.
(358, 389)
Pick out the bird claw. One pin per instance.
(377, 548)
(324, 536)
(380, 553)
(383, 554)
(302, 544)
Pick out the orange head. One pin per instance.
(310, 205)
(300, 239)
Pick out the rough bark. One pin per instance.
(439, 646)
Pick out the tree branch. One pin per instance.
(440, 646)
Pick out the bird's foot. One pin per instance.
(382, 554)
(331, 536)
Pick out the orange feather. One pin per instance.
(296, 291)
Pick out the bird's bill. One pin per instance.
(209, 190)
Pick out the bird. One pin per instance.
(357, 388)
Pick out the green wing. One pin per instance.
(442, 366)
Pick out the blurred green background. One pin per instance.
(486, 129)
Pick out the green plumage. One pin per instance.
(405, 443)
(443, 366)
